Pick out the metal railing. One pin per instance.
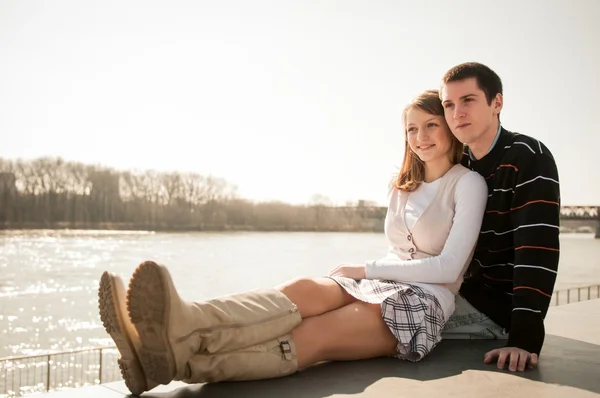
(575, 294)
(71, 369)
(25, 375)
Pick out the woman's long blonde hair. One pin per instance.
(412, 173)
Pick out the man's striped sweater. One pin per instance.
(514, 267)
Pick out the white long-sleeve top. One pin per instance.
(431, 273)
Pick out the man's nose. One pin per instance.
(458, 112)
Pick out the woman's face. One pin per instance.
(428, 135)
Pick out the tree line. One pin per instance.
(53, 193)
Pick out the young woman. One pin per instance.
(396, 306)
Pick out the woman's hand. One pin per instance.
(349, 271)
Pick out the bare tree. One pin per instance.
(53, 192)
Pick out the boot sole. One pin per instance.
(148, 303)
(110, 292)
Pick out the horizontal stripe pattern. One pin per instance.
(539, 267)
(519, 227)
(523, 205)
(533, 289)
(518, 248)
(526, 309)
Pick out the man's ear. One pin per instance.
(497, 103)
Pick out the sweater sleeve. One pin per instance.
(470, 198)
(535, 215)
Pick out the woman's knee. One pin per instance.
(299, 284)
(314, 296)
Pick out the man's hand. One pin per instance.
(519, 358)
(349, 271)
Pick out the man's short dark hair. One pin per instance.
(487, 80)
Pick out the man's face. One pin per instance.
(467, 111)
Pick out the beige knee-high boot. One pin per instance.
(271, 359)
(172, 330)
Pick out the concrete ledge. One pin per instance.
(455, 369)
(570, 367)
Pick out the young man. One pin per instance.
(512, 274)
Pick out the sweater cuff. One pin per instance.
(370, 270)
(526, 332)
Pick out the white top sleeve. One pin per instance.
(470, 198)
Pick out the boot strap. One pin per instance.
(286, 350)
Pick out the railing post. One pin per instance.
(598, 220)
(48, 373)
(100, 370)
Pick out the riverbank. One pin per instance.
(116, 226)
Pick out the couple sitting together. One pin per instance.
(473, 233)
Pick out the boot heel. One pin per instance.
(158, 365)
(132, 376)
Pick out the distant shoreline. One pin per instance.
(171, 228)
(236, 228)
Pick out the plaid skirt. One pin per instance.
(414, 316)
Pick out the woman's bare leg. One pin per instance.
(315, 296)
(355, 331)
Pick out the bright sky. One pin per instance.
(287, 99)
